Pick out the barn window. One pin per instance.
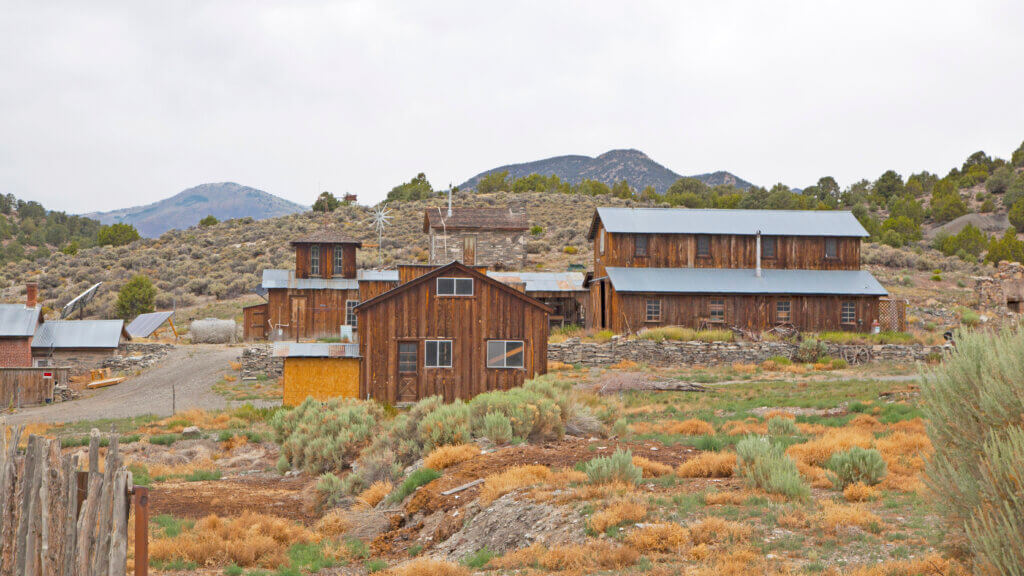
(640, 245)
(314, 260)
(600, 242)
(454, 286)
(783, 312)
(350, 312)
(848, 314)
(337, 253)
(654, 310)
(406, 356)
(703, 245)
(831, 248)
(716, 310)
(437, 354)
(768, 244)
(505, 353)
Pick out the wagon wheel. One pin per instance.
(856, 355)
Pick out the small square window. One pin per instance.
(783, 313)
(654, 310)
(406, 356)
(768, 245)
(703, 245)
(454, 286)
(831, 248)
(848, 314)
(505, 353)
(640, 245)
(314, 260)
(350, 312)
(437, 353)
(716, 311)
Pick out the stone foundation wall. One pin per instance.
(135, 356)
(573, 351)
(1006, 285)
(258, 359)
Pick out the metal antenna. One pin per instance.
(381, 218)
(449, 199)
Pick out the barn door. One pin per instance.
(298, 320)
(469, 250)
(408, 372)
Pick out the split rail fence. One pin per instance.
(59, 521)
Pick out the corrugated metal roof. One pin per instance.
(17, 321)
(315, 350)
(79, 334)
(287, 279)
(377, 275)
(543, 281)
(743, 281)
(146, 324)
(716, 221)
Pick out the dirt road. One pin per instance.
(190, 370)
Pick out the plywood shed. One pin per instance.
(318, 370)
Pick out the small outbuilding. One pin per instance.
(18, 324)
(318, 370)
(79, 344)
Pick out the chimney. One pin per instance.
(31, 294)
(757, 271)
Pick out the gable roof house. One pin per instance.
(492, 237)
(78, 344)
(750, 269)
(17, 326)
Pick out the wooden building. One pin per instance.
(79, 344)
(318, 370)
(491, 237)
(563, 292)
(319, 296)
(453, 332)
(750, 269)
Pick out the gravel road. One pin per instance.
(190, 370)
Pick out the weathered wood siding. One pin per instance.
(29, 386)
(254, 322)
(321, 378)
(308, 313)
(348, 264)
(416, 314)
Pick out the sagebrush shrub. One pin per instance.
(856, 465)
(810, 350)
(766, 466)
(615, 468)
(496, 427)
(325, 436)
(532, 414)
(778, 426)
(329, 489)
(373, 467)
(447, 424)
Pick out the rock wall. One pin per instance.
(1002, 289)
(573, 351)
(258, 359)
(136, 356)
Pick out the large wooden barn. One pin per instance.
(450, 331)
(750, 269)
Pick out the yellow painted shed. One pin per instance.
(319, 370)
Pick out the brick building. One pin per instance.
(491, 237)
(17, 326)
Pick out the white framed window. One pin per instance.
(454, 286)
(338, 257)
(768, 245)
(314, 260)
(831, 248)
(350, 312)
(505, 353)
(848, 313)
(783, 312)
(653, 311)
(437, 354)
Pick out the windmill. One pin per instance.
(381, 218)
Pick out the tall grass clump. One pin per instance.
(684, 334)
(863, 465)
(766, 466)
(325, 436)
(778, 426)
(974, 408)
(618, 467)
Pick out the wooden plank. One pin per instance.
(90, 507)
(140, 499)
(70, 515)
(29, 491)
(118, 559)
(101, 556)
(106, 382)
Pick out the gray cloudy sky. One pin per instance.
(105, 105)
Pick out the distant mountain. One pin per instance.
(225, 200)
(613, 166)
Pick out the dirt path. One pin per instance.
(190, 370)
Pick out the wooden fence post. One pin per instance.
(141, 503)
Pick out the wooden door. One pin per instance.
(408, 372)
(298, 320)
(469, 250)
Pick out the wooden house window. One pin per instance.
(350, 312)
(654, 310)
(704, 246)
(716, 311)
(783, 312)
(337, 258)
(505, 353)
(831, 248)
(437, 354)
(454, 286)
(600, 242)
(848, 314)
(640, 246)
(768, 245)
(407, 357)
(314, 260)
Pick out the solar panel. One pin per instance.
(79, 302)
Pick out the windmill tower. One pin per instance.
(381, 218)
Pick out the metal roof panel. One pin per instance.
(315, 350)
(78, 334)
(543, 281)
(744, 281)
(718, 221)
(17, 321)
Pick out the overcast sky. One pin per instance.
(106, 105)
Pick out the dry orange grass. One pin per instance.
(715, 530)
(708, 465)
(905, 455)
(617, 513)
(374, 494)
(915, 425)
(690, 427)
(734, 561)
(624, 365)
(234, 442)
(333, 525)
(815, 475)
(427, 567)
(249, 540)
(744, 427)
(497, 485)
(859, 492)
(230, 378)
(835, 516)
(816, 452)
(662, 537)
(556, 366)
(744, 368)
(811, 429)
(589, 556)
(650, 468)
(931, 564)
(236, 366)
(445, 456)
(195, 417)
(866, 421)
(156, 469)
(769, 365)
(554, 491)
(795, 369)
(778, 414)
(734, 497)
(794, 519)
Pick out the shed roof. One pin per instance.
(327, 236)
(287, 279)
(744, 281)
(474, 219)
(315, 350)
(543, 281)
(17, 321)
(146, 324)
(79, 334)
(371, 275)
(717, 221)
